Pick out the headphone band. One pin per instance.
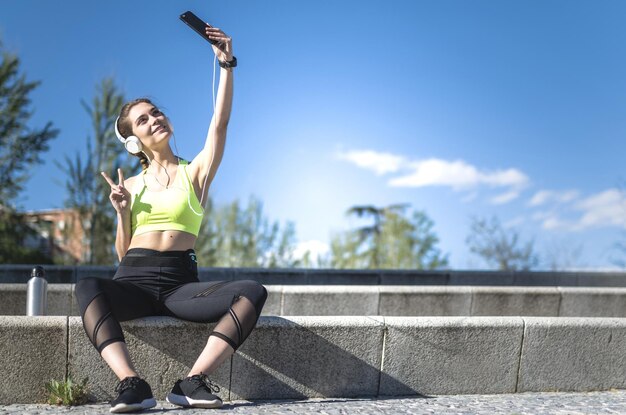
(117, 132)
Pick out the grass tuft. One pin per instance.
(67, 392)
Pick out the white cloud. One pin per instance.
(470, 197)
(539, 216)
(457, 174)
(505, 197)
(380, 163)
(433, 172)
(545, 196)
(516, 221)
(607, 208)
(553, 222)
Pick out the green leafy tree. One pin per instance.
(86, 190)
(392, 241)
(241, 236)
(20, 149)
(500, 248)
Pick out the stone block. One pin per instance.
(451, 355)
(515, 301)
(273, 303)
(332, 300)
(33, 351)
(425, 301)
(74, 309)
(300, 357)
(13, 299)
(573, 354)
(163, 350)
(592, 302)
(60, 299)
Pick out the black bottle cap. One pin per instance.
(38, 272)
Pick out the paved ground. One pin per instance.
(613, 402)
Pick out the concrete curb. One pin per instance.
(298, 357)
(294, 276)
(390, 300)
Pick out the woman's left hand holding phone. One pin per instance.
(224, 47)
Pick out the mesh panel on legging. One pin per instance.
(235, 326)
(101, 327)
(104, 303)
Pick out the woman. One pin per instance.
(159, 213)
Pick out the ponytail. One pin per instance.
(143, 159)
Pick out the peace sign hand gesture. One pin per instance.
(120, 196)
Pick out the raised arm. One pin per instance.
(208, 160)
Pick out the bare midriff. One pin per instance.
(164, 241)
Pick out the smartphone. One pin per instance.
(197, 24)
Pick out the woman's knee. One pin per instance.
(253, 291)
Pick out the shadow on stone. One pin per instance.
(288, 358)
(300, 357)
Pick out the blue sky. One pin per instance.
(460, 108)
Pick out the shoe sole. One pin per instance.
(193, 403)
(122, 407)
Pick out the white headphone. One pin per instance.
(132, 143)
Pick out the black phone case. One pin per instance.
(197, 25)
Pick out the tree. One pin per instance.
(20, 149)
(499, 247)
(237, 236)
(562, 255)
(86, 190)
(392, 241)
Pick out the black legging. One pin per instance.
(154, 283)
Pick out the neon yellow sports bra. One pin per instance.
(168, 209)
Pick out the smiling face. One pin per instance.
(149, 124)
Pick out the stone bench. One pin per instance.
(307, 276)
(343, 357)
(390, 300)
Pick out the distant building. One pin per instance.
(59, 234)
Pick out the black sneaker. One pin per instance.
(195, 391)
(134, 395)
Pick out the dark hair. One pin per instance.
(125, 127)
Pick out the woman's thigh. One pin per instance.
(125, 300)
(207, 302)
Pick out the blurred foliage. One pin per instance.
(20, 149)
(500, 248)
(394, 240)
(86, 189)
(234, 235)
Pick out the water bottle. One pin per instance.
(37, 293)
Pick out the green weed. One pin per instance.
(67, 392)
